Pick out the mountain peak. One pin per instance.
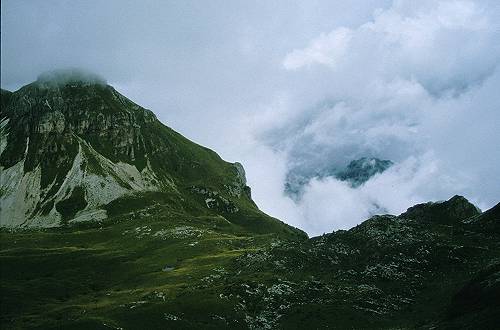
(69, 76)
(361, 170)
(356, 173)
(75, 150)
(456, 208)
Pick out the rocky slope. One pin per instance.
(434, 266)
(71, 145)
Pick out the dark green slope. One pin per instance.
(4, 98)
(435, 266)
(416, 270)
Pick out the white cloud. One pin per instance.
(415, 85)
(327, 49)
(444, 45)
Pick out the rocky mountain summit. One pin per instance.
(111, 220)
(71, 145)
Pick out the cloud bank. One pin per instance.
(415, 84)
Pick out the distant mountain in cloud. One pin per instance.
(355, 173)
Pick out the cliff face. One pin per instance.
(70, 146)
(59, 138)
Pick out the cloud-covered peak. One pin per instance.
(61, 77)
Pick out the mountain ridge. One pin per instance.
(85, 145)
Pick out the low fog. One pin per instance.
(64, 76)
(286, 87)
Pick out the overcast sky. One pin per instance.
(287, 85)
